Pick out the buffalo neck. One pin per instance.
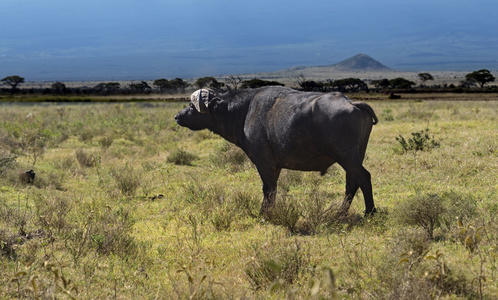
(229, 122)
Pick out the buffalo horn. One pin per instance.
(198, 100)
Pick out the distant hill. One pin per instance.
(360, 62)
(357, 66)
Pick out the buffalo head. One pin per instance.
(199, 114)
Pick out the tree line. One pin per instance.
(474, 79)
(174, 86)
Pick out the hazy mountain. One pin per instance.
(356, 66)
(360, 62)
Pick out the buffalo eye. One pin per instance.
(191, 105)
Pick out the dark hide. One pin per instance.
(280, 128)
(27, 177)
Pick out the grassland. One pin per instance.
(126, 205)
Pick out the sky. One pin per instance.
(150, 39)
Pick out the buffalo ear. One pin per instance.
(212, 104)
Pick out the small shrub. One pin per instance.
(387, 115)
(193, 192)
(111, 232)
(458, 207)
(8, 242)
(182, 157)
(411, 271)
(52, 211)
(206, 198)
(285, 212)
(66, 165)
(127, 179)
(34, 143)
(289, 178)
(315, 210)
(86, 135)
(105, 142)
(276, 263)
(411, 244)
(222, 217)
(229, 155)
(248, 204)
(86, 159)
(470, 236)
(445, 278)
(6, 162)
(420, 141)
(424, 211)
(50, 178)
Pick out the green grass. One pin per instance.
(115, 212)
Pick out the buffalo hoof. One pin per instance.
(370, 213)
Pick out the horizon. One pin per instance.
(66, 40)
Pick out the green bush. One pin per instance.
(105, 142)
(6, 162)
(247, 204)
(86, 159)
(52, 212)
(277, 264)
(127, 179)
(420, 141)
(387, 115)
(315, 210)
(182, 157)
(285, 212)
(289, 178)
(447, 210)
(222, 217)
(424, 210)
(110, 232)
(230, 156)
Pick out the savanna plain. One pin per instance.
(126, 204)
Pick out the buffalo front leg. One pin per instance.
(269, 178)
(269, 194)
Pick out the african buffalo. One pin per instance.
(279, 127)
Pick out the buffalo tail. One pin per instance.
(368, 108)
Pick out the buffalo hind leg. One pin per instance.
(351, 189)
(356, 177)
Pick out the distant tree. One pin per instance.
(234, 81)
(209, 82)
(256, 83)
(401, 83)
(13, 81)
(381, 83)
(107, 88)
(141, 87)
(58, 88)
(310, 85)
(424, 77)
(174, 85)
(112, 86)
(481, 77)
(179, 84)
(349, 85)
(301, 79)
(162, 84)
(467, 83)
